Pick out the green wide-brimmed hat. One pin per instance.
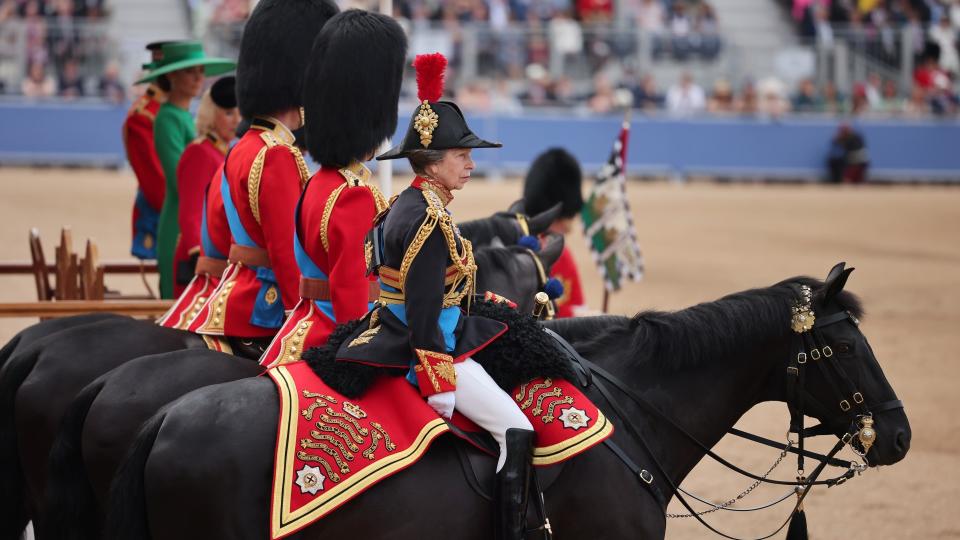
(186, 54)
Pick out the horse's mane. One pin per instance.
(706, 332)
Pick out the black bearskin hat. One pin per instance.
(274, 53)
(224, 93)
(554, 177)
(352, 87)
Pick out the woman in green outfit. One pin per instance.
(185, 66)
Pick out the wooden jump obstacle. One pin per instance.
(78, 283)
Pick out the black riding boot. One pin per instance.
(513, 485)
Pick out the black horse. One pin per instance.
(37, 383)
(103, 419)
(201, 468)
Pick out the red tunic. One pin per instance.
(198, 163)
(265, 174)
(334, 242)
(565, 270)
(210, 266)
(137, 135)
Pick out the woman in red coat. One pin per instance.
(217, 120)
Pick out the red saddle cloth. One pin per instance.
(330, 448)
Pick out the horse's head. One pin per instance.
(515, 272)
(844, 383)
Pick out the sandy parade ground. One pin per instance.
(700, 241)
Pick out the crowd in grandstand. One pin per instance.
(522, 39)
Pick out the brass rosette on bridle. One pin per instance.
(425, 122)
(803, 316)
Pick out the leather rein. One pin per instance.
(813, 347)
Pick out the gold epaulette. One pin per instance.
(256, 169)
(140, 107)
(355, 175)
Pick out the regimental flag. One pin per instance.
(607, 222)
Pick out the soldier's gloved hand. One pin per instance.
(442, 403)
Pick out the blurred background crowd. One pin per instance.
(677, 57)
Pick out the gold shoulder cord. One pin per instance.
(325, 220)
(256, 170)
(464, 262)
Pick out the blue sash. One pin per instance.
(308, 268)
(265, 315)
(209, 250)
(144, 229)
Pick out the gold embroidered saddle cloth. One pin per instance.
(330, 448)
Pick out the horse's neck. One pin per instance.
(706, 402)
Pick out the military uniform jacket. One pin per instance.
(195, 172)
(334, 215)
(427, 271)
(261, 184)
(214, 237)
(151, 188)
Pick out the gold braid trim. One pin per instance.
(256, 170)
(429, 223)
(327, 211)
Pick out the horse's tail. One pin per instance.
(14, 513)
(71, 509)
(127, 505)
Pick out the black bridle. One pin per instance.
(813, 347)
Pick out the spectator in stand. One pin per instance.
(109, 87)
(917, 105)
(686, 98)
(566, 37)
(859, 102)
(706, 31)
(747, 104)
(874, 89)
(71, 82)
(538, 92)
(833, 100)
(595, 11)
(35, 32)
(773, 97)
(650, 17)
(821, 26)
(680, 28)
(890, 101)
(38, 83)
(602, 100)
(645, 95)
(944, 35)
(807, 100)
(721, 98)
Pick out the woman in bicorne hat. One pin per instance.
(426, 269)
(185, 66)
(217, 120)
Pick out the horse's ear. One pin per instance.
(551, 250)
(835, 283)
(517, 207)
(835, 272)
(542, 221)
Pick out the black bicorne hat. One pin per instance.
(554, 177)
(435, 125)
(352, 87)
(224, 92)
(275, 51)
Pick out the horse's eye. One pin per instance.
(843, 348)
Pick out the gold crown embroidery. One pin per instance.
(425, 122)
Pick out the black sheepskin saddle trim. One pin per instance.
(522, 353)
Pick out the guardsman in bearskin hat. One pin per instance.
(350, 102)
(138, 142)
(555, 177)
(265, 173)
(426, 269)
(217, 120)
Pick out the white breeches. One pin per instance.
(480, 399)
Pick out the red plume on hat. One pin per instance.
(430, 70)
